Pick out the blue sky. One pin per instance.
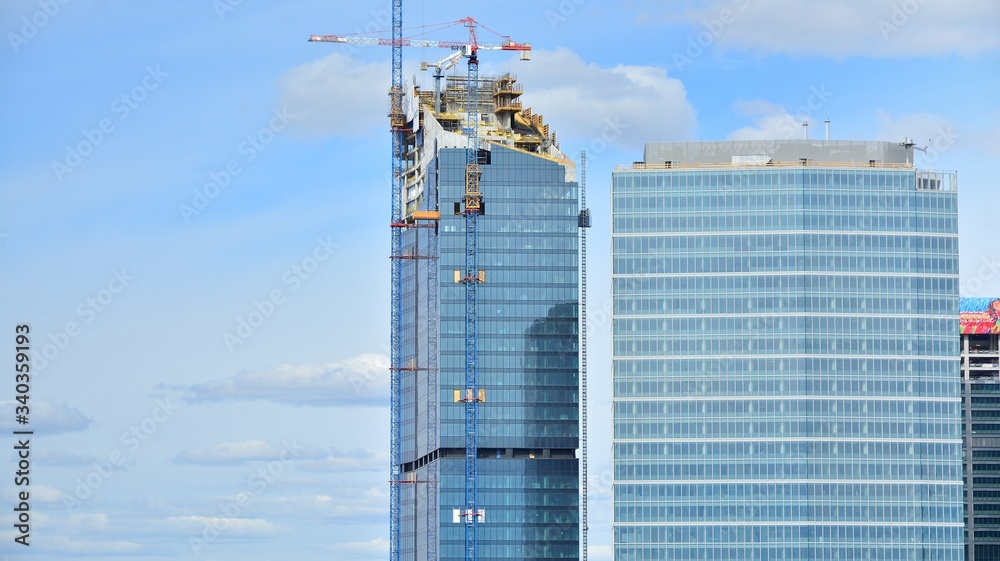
(194, 223)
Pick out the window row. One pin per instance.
(787, 304)
(693, 344)
(818, 409)
(787, 512)
(652, 265)
(789, 429)
(848, 470)
(788, 492)
(914, 287)
(641, 222)
(809, 241)
(764, 326)
(806, 449)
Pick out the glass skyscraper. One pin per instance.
(528, 469)
(785, 360)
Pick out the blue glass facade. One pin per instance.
(786, 381)
(528, 365)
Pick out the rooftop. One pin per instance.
(847, 153)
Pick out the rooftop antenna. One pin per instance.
(908, 143)
(827, 121)
(805, 130)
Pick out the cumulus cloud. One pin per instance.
(936, 134)
(881, 28)
(59, 457)
(770, 121)
(625, 104)
(40, 493)
(242, 452)
(337, 461)
(351, 500)
(922, 128)
(347, 504)
(377, 545)
(46, 417)
(83, 546)
(337, 94)
(227, 527)
(46, 494)
(307, 458)
(82, 523)
(362, 380)
(600, 552)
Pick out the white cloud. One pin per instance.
(936, 133)
(375, 549)
(351, 503)
(770, 121)
(243, 451)
(46, 494)
(337, 461)
(362, 380)
(82, 546)
(918, 126)
(922, 128)
(227, 527)
(625, 105)
(59, 457)
(40, 493)
(83, 523)
(307, 458)
(49, 417)
(600, 552)
(337, 95)
(880, 28)
(377, 545)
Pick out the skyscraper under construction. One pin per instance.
(528, 351)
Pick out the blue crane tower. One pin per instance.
(472, 208)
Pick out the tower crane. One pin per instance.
(472, 209)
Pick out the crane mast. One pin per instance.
(473, 207)
(397, 120)
(584, 224)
